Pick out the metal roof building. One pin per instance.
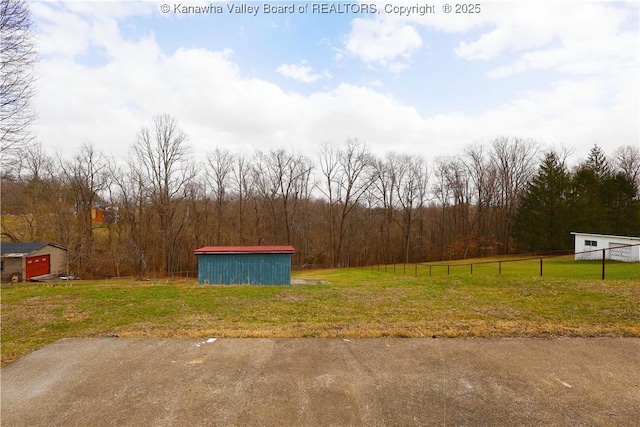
(255, 265)
(619, 248)
(22, 261)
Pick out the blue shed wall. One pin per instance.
(254, 269)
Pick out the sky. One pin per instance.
(294, 75)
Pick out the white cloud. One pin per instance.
(70, 28)
(516, 26)
(572, 114)
(386, 41)
(66, 33)
(568, 37)
(519, 26)
(605, 55)
(218, 106)
(302, 72)
(448, 23)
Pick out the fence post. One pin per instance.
(448, 269)
(471, 268)
(499, 267)
(540, 267)
(603, 263)
(429, 270)
(416, 270)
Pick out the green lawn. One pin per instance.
(352, 303)
(552, 267)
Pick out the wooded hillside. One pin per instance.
(146, 214)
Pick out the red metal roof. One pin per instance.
(245, 250)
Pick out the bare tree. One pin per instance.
(37, 188)
(348, 173)
(627, 160)
(383, 187)
(86, 176)
(35, 163)
(17, 59)
(218, 174)
(455, 177)
(483, 177)
(281, 179)
(515, 163)
(242, 188)
(410, 186)
(329, 165)
(126, 197)
(165, 168)
(444, 195)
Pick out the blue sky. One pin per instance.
(564, 73)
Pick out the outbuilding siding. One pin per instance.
(244, 265)
(16, 257)
(58, 260)
(589, 246)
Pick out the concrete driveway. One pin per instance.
(325, 382)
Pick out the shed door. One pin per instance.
(620, 252)
(37, 266)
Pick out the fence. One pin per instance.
(611, 263)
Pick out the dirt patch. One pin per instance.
(36, 310)
(294, 298)
(299, 281)
(75, 314)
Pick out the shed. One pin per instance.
(255, 265)
(22, 261)
(618, 248)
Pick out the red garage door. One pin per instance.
(37, 266)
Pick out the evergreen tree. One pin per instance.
(586, 202)
(621, 204)
(542, 221)
(598, 163)
(604, 202)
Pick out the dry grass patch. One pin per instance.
(351, 304)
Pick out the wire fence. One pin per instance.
(621, 262)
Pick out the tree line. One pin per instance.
(17, 59)
(346, 207)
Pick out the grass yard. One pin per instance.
(353, 303)
(552, 267)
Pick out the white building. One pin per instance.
(618, 248)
